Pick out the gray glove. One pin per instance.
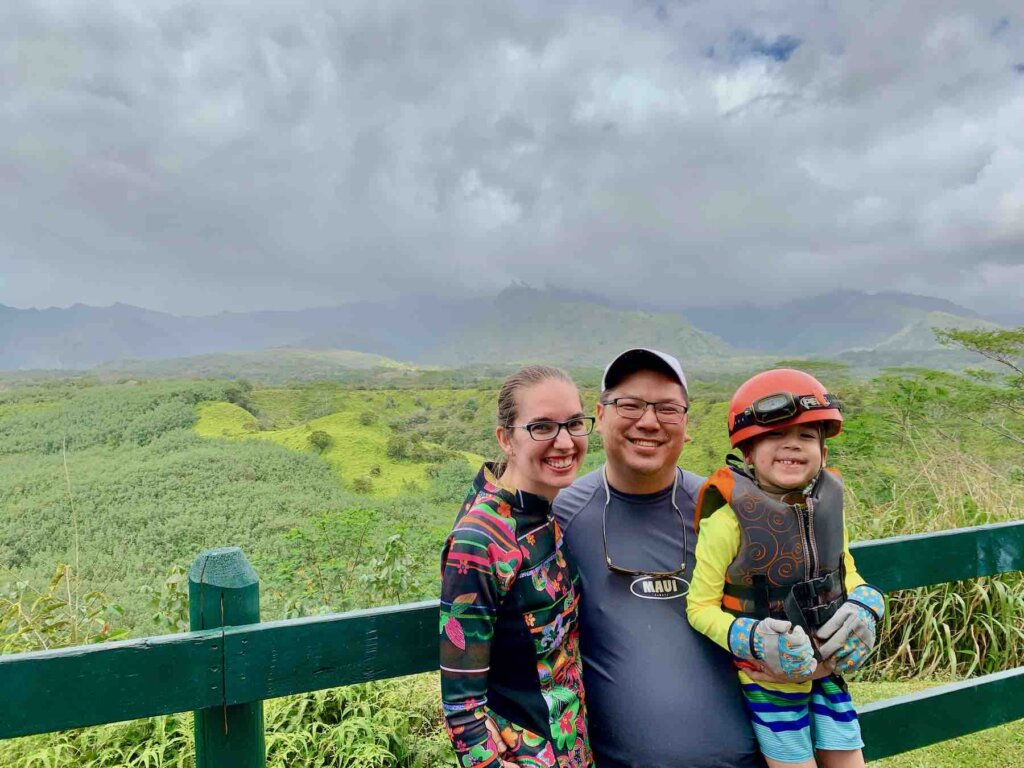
(785, 649)
(850, 634)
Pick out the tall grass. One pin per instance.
(390, 724)
(137, 468)
(950, 630)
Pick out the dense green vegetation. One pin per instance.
(340, 494)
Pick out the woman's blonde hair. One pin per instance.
(508, 402)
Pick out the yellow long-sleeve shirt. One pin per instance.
(717, 546)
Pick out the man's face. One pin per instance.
(643, 447)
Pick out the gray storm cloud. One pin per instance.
(194, 157)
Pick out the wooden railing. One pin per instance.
(230, 663)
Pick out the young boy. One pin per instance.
(774, 576)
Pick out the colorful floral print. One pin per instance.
(509, 595)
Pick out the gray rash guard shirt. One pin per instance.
(659, 695)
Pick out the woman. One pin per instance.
(510, 667)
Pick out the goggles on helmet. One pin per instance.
(782, 406)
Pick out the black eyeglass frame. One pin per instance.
(604, 535)
(588, 420)
(647, 404)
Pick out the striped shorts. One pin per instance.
(790, 723)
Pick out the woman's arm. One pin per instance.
(478, 566)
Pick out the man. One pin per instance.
(658, 694)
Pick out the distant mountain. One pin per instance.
(520, 324)
(837, 323)
(82, 337)
(523, 324)
(1008, 319)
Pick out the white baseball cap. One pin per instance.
(642, 359)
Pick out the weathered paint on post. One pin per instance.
(224, 591)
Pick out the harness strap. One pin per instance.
(830, 582)
(801, 603)
(761, 594)
(796, 617)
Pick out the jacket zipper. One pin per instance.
(812, 550)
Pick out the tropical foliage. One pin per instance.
(340, 495)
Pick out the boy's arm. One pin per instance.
(853, 579)
(717, 546)
(858, 590)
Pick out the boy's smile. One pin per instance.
(787, 457)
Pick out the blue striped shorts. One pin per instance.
(790, 725)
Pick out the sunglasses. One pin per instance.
(638, 571)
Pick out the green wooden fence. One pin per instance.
(230, 663)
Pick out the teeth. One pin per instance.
(561, 462)
(646, 443)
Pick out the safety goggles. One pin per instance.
(782, 406)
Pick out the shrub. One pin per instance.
(319, 440)
(362, 484)
(367, 418)
(400, 447)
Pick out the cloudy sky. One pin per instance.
(241, 154)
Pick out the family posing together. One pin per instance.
(642, 615)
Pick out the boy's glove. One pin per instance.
(785, 649)
(850, 634)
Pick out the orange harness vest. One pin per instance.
(790, 563)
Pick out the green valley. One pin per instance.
(341, 492)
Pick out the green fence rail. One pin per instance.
(224, 672)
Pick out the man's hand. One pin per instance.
(785, 650)
(850, 634)
(492, 729)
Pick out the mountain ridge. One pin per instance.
(519, 324)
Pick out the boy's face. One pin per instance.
(787, 457)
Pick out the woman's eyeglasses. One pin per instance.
(542, 431)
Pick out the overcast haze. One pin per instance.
(194, 157)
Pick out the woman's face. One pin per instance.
(543, 467)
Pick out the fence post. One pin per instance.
(224, 590)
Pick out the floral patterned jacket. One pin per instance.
(509, 635)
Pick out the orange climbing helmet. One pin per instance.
(778, 398)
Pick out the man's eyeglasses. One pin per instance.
(543, 431)
(636, 571)
(634, 408)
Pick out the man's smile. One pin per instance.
(644, 442)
